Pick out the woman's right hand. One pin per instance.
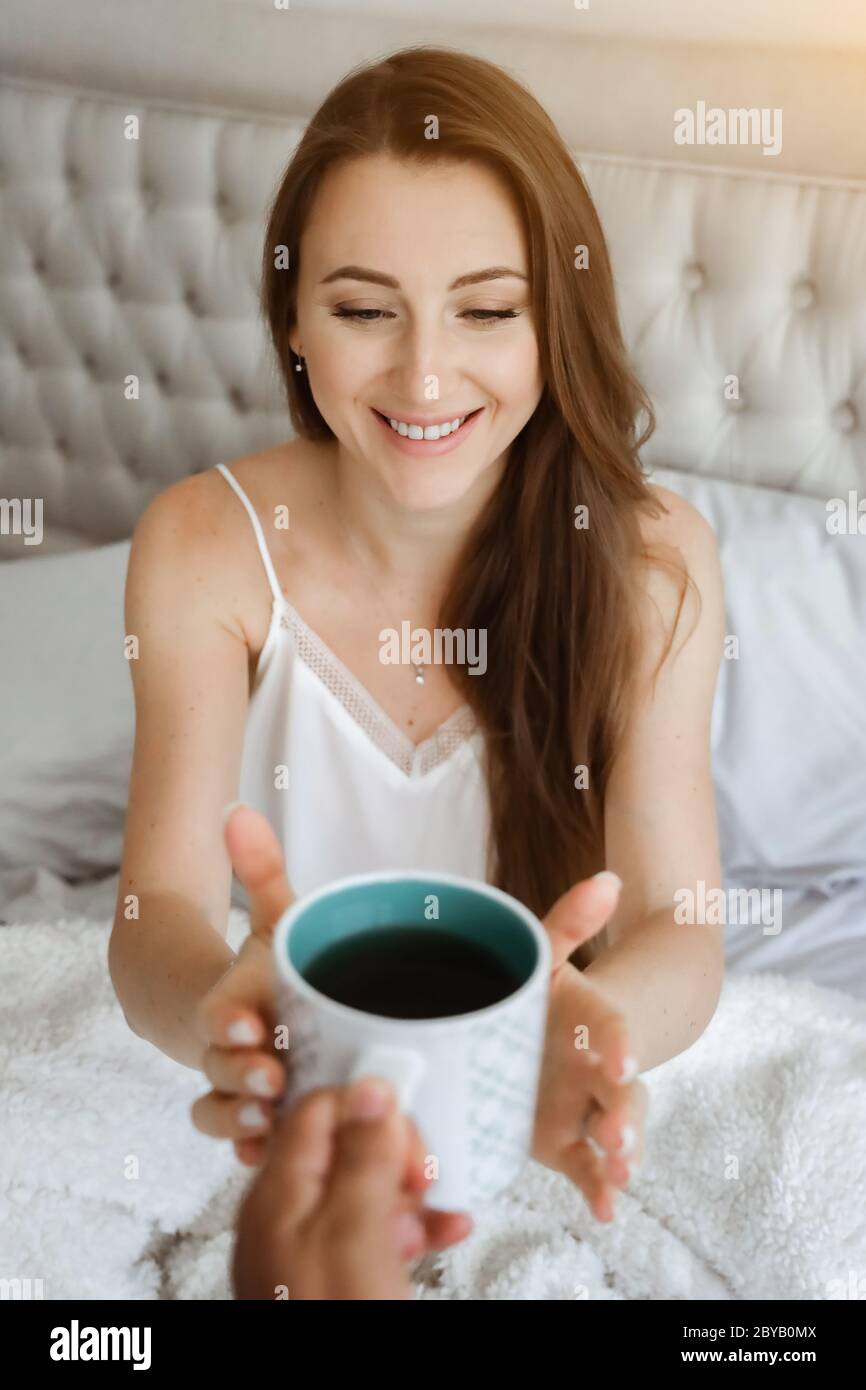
(236, 1019)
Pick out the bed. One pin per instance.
(148, 257)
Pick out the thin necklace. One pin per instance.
(417, 666)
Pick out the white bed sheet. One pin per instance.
(823, 939)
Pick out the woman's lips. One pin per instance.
(429, 448)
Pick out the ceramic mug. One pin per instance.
(470, 1080)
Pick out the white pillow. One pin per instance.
(789, 722)
(67, 712)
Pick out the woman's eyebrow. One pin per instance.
(375, 277)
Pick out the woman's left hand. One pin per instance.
(588, 1088)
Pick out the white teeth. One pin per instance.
(429, 431)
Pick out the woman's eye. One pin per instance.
(361, 315)
(488, 317)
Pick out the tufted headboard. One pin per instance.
(142, 257)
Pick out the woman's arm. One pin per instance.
(191, 691)
(660, 817)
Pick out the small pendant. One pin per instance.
(419, 675)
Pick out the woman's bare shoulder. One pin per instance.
(677, 524)
(212, 532)
(288, 468)
(207, 506)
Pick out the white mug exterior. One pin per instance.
(469, 1081)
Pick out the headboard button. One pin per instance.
(803, 294)
(844, 417)
(694, 277)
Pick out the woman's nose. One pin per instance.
(426, 364)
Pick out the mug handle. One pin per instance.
(402, 1066)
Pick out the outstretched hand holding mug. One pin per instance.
(335, 1211)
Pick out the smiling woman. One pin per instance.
(446, 327)
(467, 304)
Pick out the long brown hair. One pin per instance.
(558, 602)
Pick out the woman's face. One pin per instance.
(449, 333)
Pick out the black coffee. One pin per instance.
(411, 972)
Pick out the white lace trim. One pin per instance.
(412, 759)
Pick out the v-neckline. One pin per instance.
(353, 697)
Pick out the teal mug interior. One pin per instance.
(361, 907)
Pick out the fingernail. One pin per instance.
(608, 873)
(227, 810)
(411, 1236)
(252, 1116)
(260, 1083)
(629, 1070)
(627, 1141)
(367, 1100)
(242, 1031)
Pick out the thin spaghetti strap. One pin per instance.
(257, 527)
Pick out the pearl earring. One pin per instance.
(299, 365)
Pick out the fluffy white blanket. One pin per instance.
(751, 1186)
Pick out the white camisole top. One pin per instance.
(346, 791)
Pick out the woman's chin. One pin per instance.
(425, 492)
